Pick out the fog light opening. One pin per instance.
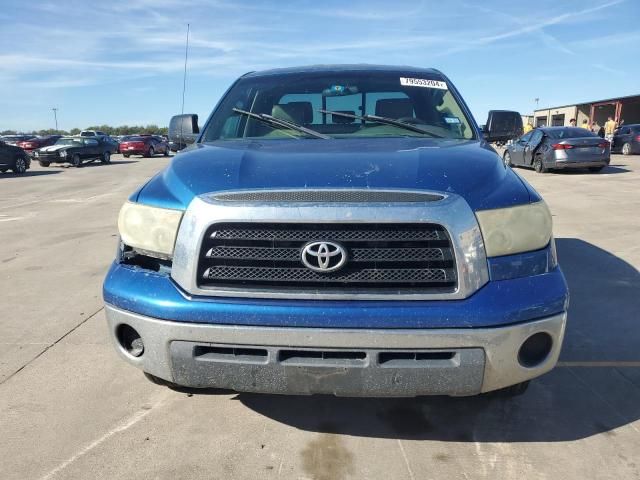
(130, 340)
(535, 349)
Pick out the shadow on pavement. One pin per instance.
(28, 173)
(570, 403)
(113, 162)
(583, 171)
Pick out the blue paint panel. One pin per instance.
(469, 168)
(497, 303)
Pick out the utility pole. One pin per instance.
(55, 116)
(184, 79)
(537, 100)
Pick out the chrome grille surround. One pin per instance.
(452, 213)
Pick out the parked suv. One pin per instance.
(338, 229)
(627, 140)
(76, 151)
(13, 158)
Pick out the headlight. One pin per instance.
(516, 229)
(63, 153)
(36, 154)
(149, 229)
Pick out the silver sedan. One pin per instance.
(555, 148)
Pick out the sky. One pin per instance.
(121, 61)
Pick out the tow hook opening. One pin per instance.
(130, 340)
(535, 349)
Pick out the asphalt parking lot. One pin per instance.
(71, 409)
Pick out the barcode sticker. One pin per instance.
(423, 82)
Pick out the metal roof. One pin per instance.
(587, 103)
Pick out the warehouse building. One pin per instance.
(596, 113)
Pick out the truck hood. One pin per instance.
(469, 168)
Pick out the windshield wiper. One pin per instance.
(280, 123)
(385, 120)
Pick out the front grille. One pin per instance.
(379, 257)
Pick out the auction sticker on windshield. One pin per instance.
(423, 82)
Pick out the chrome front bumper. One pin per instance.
(317, 360)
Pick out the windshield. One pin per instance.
(70, 141)
(570, 133)
(339, 105)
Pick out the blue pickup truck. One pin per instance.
(341, 230)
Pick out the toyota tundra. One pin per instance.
(343, 230)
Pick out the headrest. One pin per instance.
(340, 119)
(296, 112)
(394, 108)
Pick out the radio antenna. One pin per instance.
(184, 79)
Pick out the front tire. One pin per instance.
(76, 161)
(106, 157)
(166, 152)
(507, 159)
(20, 166)
(152, 152)
(626, 149)
(44, 164)
(538, 165)
(126, 156)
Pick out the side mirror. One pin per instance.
(502, 125)
(183, 129)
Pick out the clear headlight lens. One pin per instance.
(150, 230)
(507, 231)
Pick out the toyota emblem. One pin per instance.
(323, 256)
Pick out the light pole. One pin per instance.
(55, 116)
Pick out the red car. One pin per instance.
(145, 145)
(37, 142)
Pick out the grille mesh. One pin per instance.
(270, 234)
(410, 275)
(379, 257)
(357, 254)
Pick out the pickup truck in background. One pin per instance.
(340, 230)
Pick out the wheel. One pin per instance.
(44, 164)
(76, 161)
(595, 169)
(20, 165)
(126, 155)
(514, 390)
(160, 381)
(507, 159)
(151, 152)
(166, 152)
(106, 157)
(539, 166)
(626, 149)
